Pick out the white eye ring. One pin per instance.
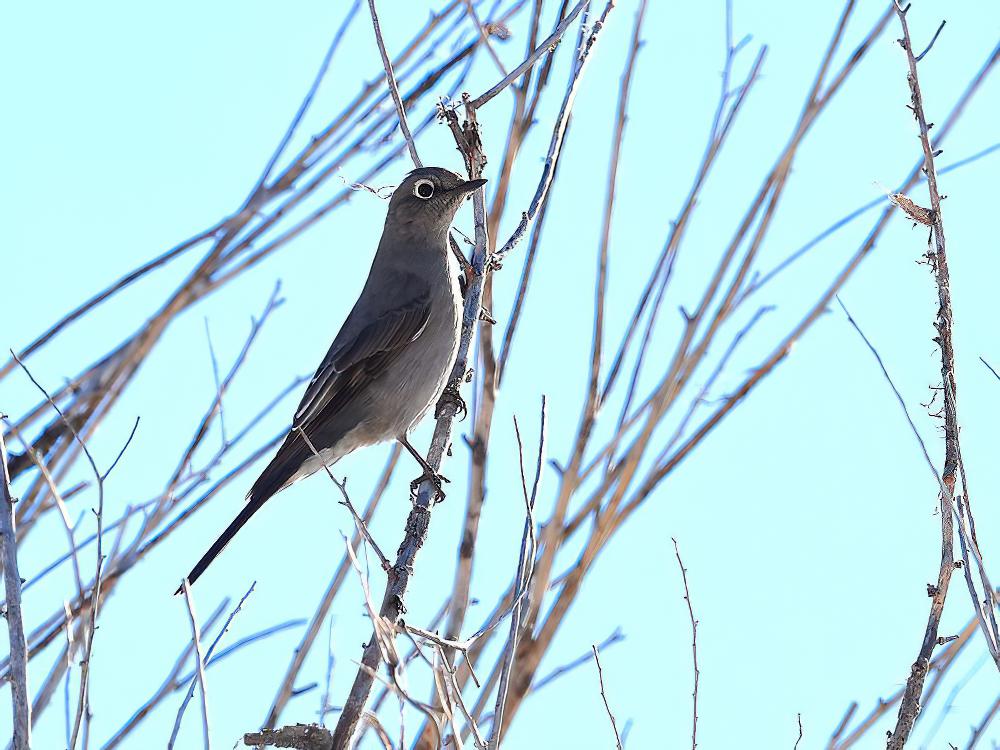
(424, 189)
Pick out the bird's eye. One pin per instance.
(424, 189)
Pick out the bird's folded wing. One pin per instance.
(358, 357)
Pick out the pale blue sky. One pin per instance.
(806, 521)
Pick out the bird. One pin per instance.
(392, 356)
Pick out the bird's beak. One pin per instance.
(468, 187)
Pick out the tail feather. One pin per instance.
(273, 479)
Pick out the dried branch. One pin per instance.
(604, 697)
(525, 567)
(910, 704)
(559, 128)
(980, 729)
(169, 684)
(200, 663)
(298, 736)
(484, 35)
(694, 649)
(390, 80)
(83, 705)
(346, 502)
(29, 451)
(286, 687)
(307, 100)
(547, 46)
(20, 705)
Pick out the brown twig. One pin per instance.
(694, 648)
(979, 729)
(522, 578)
(910, 704)
(484, 35)
(604, 697)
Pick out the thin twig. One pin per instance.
(525, 567)
(286, 687)
(561, 122)
(43, 469)
(307, 100)
(170, 683)
(390, 80)
(200, 662)
(694, 647)
(199, 675)
(346, 502)
(616, 637)
(931, 43)
(83, 705)
(604, 697)
(549, 44)
(481, 30)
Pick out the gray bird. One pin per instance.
(391, 359)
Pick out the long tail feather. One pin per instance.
(273, 479)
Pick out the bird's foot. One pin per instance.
(437, 480)
(450, 395)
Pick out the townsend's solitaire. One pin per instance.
(391, 359)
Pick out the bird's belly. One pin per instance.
(414, 381)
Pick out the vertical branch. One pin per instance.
(910, 705)
(604, 697)
(523, 578)
(200, 664)
(694, 647)
(20, 704)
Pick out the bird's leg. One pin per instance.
(429, 474)
(451, 395)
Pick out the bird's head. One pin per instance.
(428, 198)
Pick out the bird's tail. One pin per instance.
(272, 480)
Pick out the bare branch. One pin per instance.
(694, 648)
(525, 567)
(390, 80)
(346, 502)
(548, 45)
(200, 663)
(604, 697)
(326, 601)
(20, 703)
(953, 467)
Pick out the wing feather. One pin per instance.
(353, 359)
